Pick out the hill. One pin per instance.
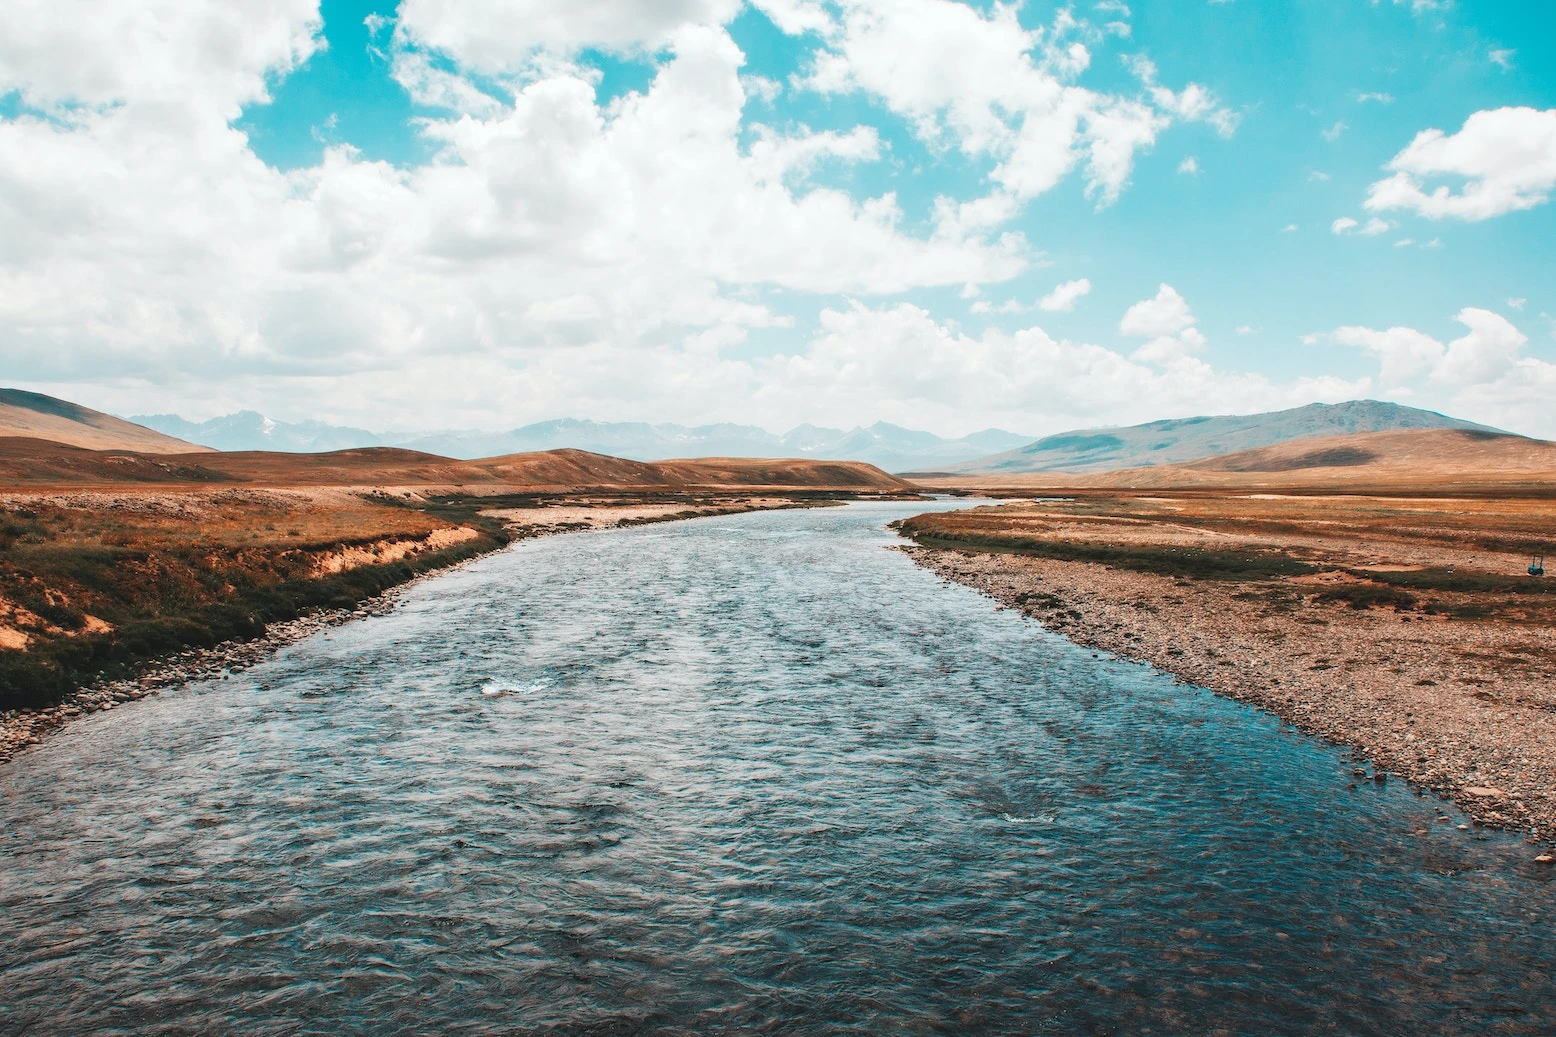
(1416, 460)
(35, 464)
(33, 415)
(1180, 440)
(885, 445)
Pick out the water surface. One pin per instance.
(748, 774)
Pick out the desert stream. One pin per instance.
(757, 773)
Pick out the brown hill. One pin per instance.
(33, 463)
(1443, 460)
(36, 416)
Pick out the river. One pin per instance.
(757, 773)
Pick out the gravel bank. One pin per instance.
(1466, 709)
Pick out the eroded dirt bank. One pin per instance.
(1342, 619)
(430, 542)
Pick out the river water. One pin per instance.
(749, 774)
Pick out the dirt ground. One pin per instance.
(1404, 627)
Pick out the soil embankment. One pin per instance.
(1404, 627)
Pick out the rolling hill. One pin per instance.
(1180, 440)
(35, 464)
(1421, 460)
(33, 415)
(882, 444)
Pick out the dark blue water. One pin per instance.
(750, 774)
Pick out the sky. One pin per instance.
(950, 216)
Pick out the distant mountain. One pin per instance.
(32, 415)
(887, 446)
(1188, 439)
(250, 430)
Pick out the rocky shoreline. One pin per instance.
(1452, 707)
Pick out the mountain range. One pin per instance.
(884, 445)
(1178, 440)
(1173, 442)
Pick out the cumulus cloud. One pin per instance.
(141, 240)
(1505, 157)
(1164, 319)
(503, 36)
(928, 372)
(1064, 296)
(1372, 228)
(1000, 91)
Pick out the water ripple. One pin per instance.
(749, 774)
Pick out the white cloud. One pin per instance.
(900, 362)
(1375, 226)
(762, 88)
(1288, 228)
(1404, 242)
(1189, 166)
(1333, 132)
(1505, 156)
(1517, 303)
(1343, 225)
(1164, 319)
(998, 91)
(795, 17)
(142, 241)
(1064, 296)
(503, 36)
(1166, 313)
(212, 56)
(1403, 353)
(1501, 57)
(1380, 98)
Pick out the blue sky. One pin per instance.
(426, 214)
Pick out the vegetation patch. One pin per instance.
(192, 573)
(1182, 562)
(1369, 596)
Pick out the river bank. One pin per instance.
(1449, 684)
(401, 564)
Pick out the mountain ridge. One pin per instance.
(1176, 441)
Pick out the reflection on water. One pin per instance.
(744, 774)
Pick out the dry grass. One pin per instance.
(92, 583)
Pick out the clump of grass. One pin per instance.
(1369, 596)
(1182, 562)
